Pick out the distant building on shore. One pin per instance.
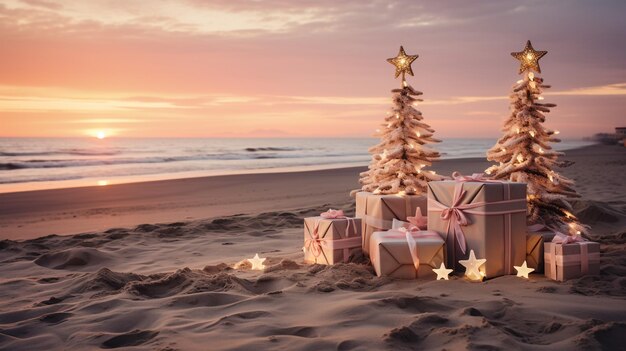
(619, 137)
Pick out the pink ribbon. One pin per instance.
(475, 177)
(315, 243)
(456, 213)
(411, 235)
(561, 238)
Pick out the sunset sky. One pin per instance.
(279, 68)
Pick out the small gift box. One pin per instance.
(487, 216)
(534, 248)
(377, 212)
(567, 257)
(331, 237)
(406, 254)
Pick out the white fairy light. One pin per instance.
(397, 115)
(532, 133)
(502, 149)
(520, 81)
(520, 158)
(418, 134)
(540, 98)
(556, 132)
(531, 76)
(517, 130)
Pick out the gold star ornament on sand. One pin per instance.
(523, 270)
(402, 62)
(529, 58)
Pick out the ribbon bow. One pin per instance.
(419, 221)
(475, 177)
(456, 217)
(332, 214)
(561, 238)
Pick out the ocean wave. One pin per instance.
(65, 163)
(71, 152)
(255, 149)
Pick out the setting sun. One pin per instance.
(101, 135)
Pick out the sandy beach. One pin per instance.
(149, 266)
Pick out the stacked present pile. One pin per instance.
(414, 223)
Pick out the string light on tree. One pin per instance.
(398, 159)
(529, 157)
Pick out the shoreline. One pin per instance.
(103, 181)
(32, 214)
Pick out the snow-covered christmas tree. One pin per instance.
(398, 161)
(525, 155)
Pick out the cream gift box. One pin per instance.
(331, 240)
(394, 256)
(534, 248)
(489, 217)
(377, 212)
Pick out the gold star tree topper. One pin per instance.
(529, 58)
(403, 63)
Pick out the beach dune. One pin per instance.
(153, 269)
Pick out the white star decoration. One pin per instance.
(523, 270)
(471, 266)
(257, 262)
(442, 272)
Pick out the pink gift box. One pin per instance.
(569, 261)
(329, 241)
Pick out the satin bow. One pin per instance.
(564, 239)
(332, 214)
(456, 217)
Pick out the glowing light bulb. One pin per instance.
(518, 130)
(388, 125)
(529, 57)
(412, 146)
(405, 83)
(488, 171)
(402, 61)
(520, 158)
(532, 133)
(541, 150)
(540, 98)
(418, 134)
(433, 172)
(397, 115)
(531, 76)
(556, 132)
(503, 149)
(520, 81)
(551, 177)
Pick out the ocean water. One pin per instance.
(45, 163)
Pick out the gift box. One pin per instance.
(393, 255)
(377, 212)
(489, 217)
(534, 249)
(331, 240)
(571, 260)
